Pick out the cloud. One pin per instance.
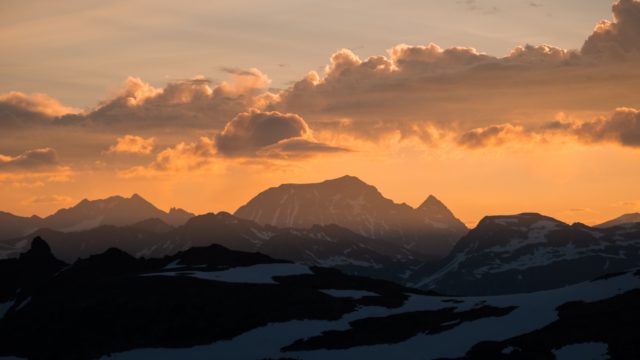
(462, 88)
(258, 133)
(182, 157)
(252, 134)
(49, 199)
(17, 108)
(492, 136)
(298, 148)
(622, 128)
(30, 160)
(189, 103)
(193, 103)
(131, 144)
(407, 93)
(617, 38)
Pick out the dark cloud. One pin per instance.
(494, 135)
(623, 128)
(19, 109)
(264, 133)
(618, 38)
(30, 160)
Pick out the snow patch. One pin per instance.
(4, 307)
(356, 294)
(255, 274)
(586, 351)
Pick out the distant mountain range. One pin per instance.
(349, 202)
(88, 214)
(320, 245)
(530, 252)
(347, 224)
(212, 302)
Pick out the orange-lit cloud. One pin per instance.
(181, 158)
(131, 144)
(621, 128)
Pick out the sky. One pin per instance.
(495, 107)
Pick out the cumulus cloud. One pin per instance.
(462, 88)
(267, 133)
(30, 160)
(194, 103)
(617, 38)
(191, 103)
(131, 144)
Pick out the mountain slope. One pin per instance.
(621, 220)
(88, 214)
(530, 252)
(12, 226)
(212, 302)
(353, 204)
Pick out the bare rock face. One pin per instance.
(351, 203)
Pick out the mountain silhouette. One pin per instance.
(351, 203)
(87, 214)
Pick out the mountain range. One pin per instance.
(115, 210)
(320, 245)
(347, 224)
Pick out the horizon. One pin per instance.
(497, 116)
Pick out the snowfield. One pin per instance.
(534, 311)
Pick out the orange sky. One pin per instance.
(543, 129)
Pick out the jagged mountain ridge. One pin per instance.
(351, 203)
(87, 214)
(530, 252)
